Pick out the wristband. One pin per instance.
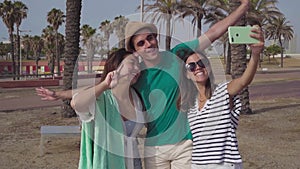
(54, 94)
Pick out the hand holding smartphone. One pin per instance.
(240, 35)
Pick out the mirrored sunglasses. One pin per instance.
(193, 65)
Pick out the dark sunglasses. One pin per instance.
(149, 38)
(193, 65)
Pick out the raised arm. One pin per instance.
(84, 98)
(236, 85)
(219, 28)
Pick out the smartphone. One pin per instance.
(240, 35)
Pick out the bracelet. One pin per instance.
(54, 94)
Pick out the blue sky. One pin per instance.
(96, 11)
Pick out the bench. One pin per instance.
(57, 131)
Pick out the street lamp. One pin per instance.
(142, 10)
(20, 68)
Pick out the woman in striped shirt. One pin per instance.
(213, 110)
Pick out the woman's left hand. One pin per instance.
(257, 48)
(111, 79)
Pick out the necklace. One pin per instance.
(202, 99)
(201, 102)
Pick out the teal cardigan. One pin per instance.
(102, 139)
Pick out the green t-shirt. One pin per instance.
(159, 89)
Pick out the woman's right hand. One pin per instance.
(46, 94)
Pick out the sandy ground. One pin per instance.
(20, 141)
(268, 139)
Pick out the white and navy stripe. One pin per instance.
(214, 129)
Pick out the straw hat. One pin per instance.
(133, 27)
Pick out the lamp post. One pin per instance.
(20, 31)
(142, 10)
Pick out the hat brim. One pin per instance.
(132, 28)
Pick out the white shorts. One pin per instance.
(218, 166)
(173, 156)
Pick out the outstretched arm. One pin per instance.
(219, 28)
(236, 85)
(51, 95)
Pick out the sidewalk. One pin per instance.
(25, 98)
(277, 70)
(22, 99)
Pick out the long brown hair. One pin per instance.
(188, 88)
(114, 60)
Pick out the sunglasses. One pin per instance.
(149, 38)
(193, 65)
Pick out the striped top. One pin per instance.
(214, 129)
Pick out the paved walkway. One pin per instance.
(279, 84)
(30, 102)
(19, 101)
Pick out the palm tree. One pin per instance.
(163, 10)
(61, 46)
(26, 43)
(55, 18)
(262, 12)
(37, 44)
(48, 37)
(239, 63)
(216, 11)
(7, 14)
(101, 46)
(107, 29)
(198, 9)
(280, 29)
(72, 33)
(87, 33)
(119, 26)
(4, 49)
(20, 14)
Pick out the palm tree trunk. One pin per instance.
(57, 53)
(260, 60)
(18, 54)
(37, 66)
(281, 53)
(11, 38)
(122, 43)
(52, 64)
(224, 51)
(72, 32)
(228, 60)
(199, 25)
(239, 63)
(168, 33)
